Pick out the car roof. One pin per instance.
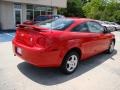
(49, 15)
(80, 20)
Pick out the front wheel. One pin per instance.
(70, 63)
(111, 47)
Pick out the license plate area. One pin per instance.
(18, 50)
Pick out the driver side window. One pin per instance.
(94, 27)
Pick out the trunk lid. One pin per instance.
(29, 34)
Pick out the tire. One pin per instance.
(70, 62)
(116, 29)
(111, 47)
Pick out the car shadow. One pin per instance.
(52, 76)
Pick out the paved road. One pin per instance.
(101, 72)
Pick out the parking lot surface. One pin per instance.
(5, 37)
(101, 72)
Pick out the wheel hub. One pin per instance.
(112, 47)
(72, 63)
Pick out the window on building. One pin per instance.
(17, 6)
(49, 13)
(29, 14)
(34, 11)
(30, 7)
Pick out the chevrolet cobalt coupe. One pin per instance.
(62, 42)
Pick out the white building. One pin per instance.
(18, 11)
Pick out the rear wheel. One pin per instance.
(111, 47)
(70, 62)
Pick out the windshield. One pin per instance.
(101, 22)
(106, 22)
(59, 24)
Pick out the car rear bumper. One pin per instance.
(40, 57)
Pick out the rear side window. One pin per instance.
(95, 27)
(81, 28)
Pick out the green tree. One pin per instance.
(108, 10)
(117, 16)
(94, 8)
(84, 1)
(111, 12)
(74, 8)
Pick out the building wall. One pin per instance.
(55, 3)
(7, 15)
(24, 13)
(7, 18)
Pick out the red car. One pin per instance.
(62, 42)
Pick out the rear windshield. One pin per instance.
(58, 24)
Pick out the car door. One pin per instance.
(87, 40)
(102, 41)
